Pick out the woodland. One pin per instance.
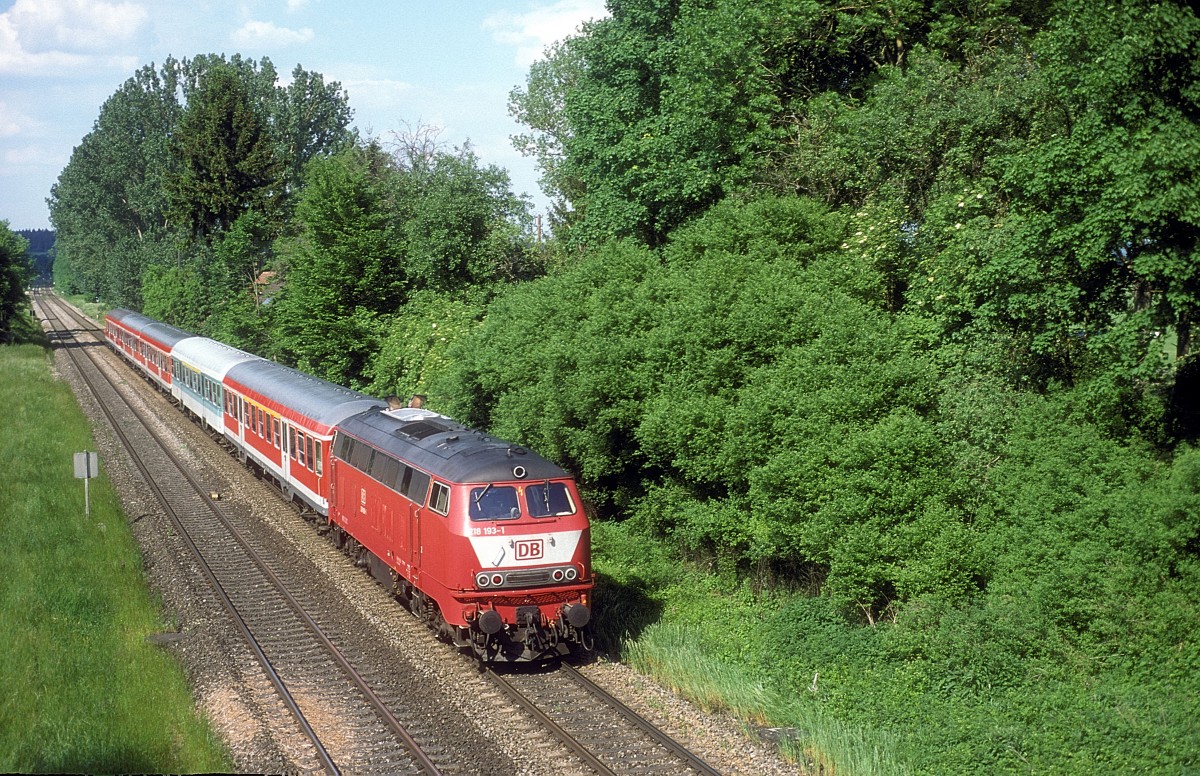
(882, 312)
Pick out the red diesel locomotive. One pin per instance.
(485, 540)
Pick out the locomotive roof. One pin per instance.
(312, 397)
(446, 448)
(209, 356)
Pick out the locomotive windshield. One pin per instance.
(494, 502)
(549, 499)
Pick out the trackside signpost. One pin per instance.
(87, 465)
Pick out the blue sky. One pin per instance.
(403, 63)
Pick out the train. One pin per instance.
(485, 540)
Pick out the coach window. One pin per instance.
(275, 424)
(300, 444)
(320, 459)
(292, 442)
(308, 441)
(439, 499)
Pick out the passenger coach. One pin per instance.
(284, 420)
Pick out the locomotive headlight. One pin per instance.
(497, 579)
(481, 580)
(572, 573)
(557, 575)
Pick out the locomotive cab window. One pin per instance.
(492, 502)
(548, 499)
(439, 499)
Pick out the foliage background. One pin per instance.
(878, 317)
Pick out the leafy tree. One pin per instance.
(226, 156)
(111, 204)
(654, 114)
(1118, 183)
(344, 266)
(14, 272)
(311, 118)
(108, 205)
(418, 342)
(462, 224)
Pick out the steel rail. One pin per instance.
(579, 749)
(678, 749)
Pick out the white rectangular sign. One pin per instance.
(87, 465)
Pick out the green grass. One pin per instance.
(959, 691)
(83, 690)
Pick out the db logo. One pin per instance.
(529, 549)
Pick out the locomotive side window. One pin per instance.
(494, 503)
(384, 468)
(342, 445)
(439, 499)
(418, 485)
(360, 457)
(548, 499)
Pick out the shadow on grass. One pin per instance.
(26, 330)
(622, 610)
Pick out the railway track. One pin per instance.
(298, 657)
(600, 733)
(604, 733)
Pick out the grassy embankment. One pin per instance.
(83, 690)
(983, 689)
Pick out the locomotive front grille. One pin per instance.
(527, 578)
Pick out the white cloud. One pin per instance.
(269, 34)
(50, 37)
(32, 156)
(12, 122)
(532, 32)
(74, 25)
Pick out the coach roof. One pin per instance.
(311, 397)
(209, 356)
(165, 335)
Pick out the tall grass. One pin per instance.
(83, 691)
(676, 656)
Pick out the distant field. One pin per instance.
(83, 691)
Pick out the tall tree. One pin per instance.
(344, 265)
(226, 156)
(14, 272)
(111, 207)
